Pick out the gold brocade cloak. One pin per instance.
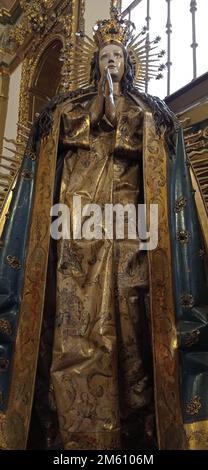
(172, 434)
(101, 385)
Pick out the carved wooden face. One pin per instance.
(112, 56)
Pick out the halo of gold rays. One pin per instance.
(144, 57)
(81, 62)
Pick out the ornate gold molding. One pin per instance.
(76, 25)
(65, 20)
(37, 17)
(4, 93)
(37, 21)
(6, 14)
(69, 33)
(29, 68)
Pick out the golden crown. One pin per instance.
(115, 29)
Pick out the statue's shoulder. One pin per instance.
(62, 99)
(80, 94)
(44, 121)
(163, 116)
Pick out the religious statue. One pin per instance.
(103, 344)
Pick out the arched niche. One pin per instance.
(46, 79)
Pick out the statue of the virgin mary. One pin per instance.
(103, 345)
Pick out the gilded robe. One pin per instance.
(97, 357)
(176, 277)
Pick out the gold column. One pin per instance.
(71, 25)
(116, 4)
(4, 95)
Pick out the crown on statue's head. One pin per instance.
(113, 30)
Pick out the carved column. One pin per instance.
(4, 94)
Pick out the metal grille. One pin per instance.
(133, 10)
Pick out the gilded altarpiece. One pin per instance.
(45, 32)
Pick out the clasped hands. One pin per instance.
(104, 103)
